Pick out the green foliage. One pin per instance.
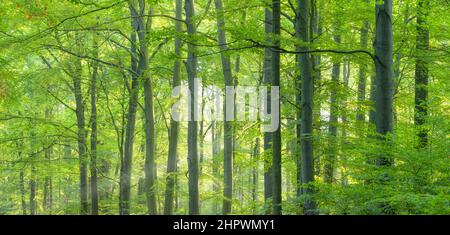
(42, 41)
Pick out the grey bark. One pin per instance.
(32, 181)
(150, 134)
(383, 80)
(306, 105)
(256, 152)
(22, 192)
(22, 181)
(333, 119)
(372, 98)
(276, 135)
(193, 111)
(421, 73)
(202, 134)
(48, 194)
(216, 133)
(267, 136)
(174, 125)
(362, 76)
(81, 134)
(93, 162)
(228, 128)
(343, 112)
(126, 162)
(316, 30)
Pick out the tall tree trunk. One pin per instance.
(306, 105)
(421, 72)
(298, 113)
(79, 103)
(316, 30)
(267, 135)
(93, 162)
(333, 119)
(193, 110)
(228, 128)
(125, 166)
(238, 176)
(345, 77)
(276, 135)
(383, 91)
(362, 76)
(174, 125)
(150, 134)
(383, 80)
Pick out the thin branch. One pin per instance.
(90, 58)
(49, 29)
(60, 101)
(282, 50)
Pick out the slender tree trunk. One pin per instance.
(22, 191)
(372, 97)
(202, 134)
(298, 113)
(32, 180)
(47, 197)
(343, 112)
(333, 119)
(150, 134)
(316, 30)
(255, 174)
(65, 179)
(19, 146)
(421, 72)
(238, 176)
(267, 135)
(47, 200)
(215, 133)
(174, 125)
(126, 162)
(193, 111)
(94, 189)
(81, 137)
(228, 128)
(362, 76)
(306, 105)
(276, 135)
(177, 190)
(292, 147)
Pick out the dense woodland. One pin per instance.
(86, 97)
